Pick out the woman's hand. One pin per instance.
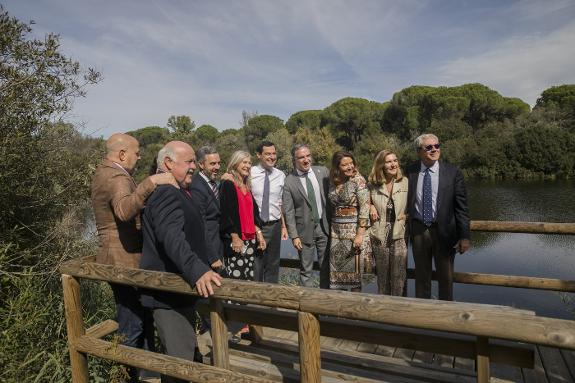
(373, 213)
(261, 241)
(357, 241)
(237, 243)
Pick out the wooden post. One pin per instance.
(482, 359)
(75, 326)
(219, 334)
(309, 348)
(256, 333)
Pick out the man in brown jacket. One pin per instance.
(117, 202)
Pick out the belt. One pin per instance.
(269, 223)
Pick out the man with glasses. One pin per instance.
(438, 217)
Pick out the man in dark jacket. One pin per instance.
(174, 242)
(438, 217)
(205, 193)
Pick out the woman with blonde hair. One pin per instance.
(350, 252)
(239, 220)
(388, 195)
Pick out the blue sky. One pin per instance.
(213, 59)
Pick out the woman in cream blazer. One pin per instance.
(388, 194)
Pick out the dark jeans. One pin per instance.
(267, 265)
(426, 247)
(135, 322)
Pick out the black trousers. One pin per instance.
(427, 247)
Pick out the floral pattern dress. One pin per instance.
(350, 202)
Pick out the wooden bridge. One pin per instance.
(312, 335)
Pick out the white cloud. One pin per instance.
(521, 66)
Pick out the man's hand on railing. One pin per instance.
(204, 284)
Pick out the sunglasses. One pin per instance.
(429, 148)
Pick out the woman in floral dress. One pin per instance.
(350, 251)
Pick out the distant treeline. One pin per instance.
(485, 134)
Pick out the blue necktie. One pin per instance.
(427, 199)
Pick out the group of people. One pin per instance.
(204, 226)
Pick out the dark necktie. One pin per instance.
(427, 199)
(265, 213)
(311, 198)
(214, 187)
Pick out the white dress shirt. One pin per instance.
(434, 173)
(315, 185)
(277, 178)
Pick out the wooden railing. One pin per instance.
(481, 321)
(314, 312)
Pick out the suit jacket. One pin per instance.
(452, 215)
(173, 242)
(230, 217)
(209, 207)
(117, 202)
(297, 209)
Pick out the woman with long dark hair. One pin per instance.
(350, 251)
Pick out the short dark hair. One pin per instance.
(203, 152)
(260, 147)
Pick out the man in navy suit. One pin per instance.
(205, 192)
(438, 217)
(174, 242)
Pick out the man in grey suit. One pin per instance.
(304, 204)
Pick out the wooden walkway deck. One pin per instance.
(276, 358)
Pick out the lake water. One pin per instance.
(547, 256)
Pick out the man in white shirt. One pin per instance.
(267, 189)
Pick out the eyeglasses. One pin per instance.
(429, 148)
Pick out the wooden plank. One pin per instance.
(423, 357)
(164, 364)
(482, 360)
(554, 365)
(537, 373)
(514, 281)
(364, 365)
(445, 361)
(464, 363)
(403, 353)
(523, 227)
(569, 357)
(102, 329)
(219, 332)
(75, 328)
(309, 348)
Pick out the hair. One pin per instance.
(377, 174)
(203, 152)
(297, 147)
(417, 142)
(335, 175)
(166, 151)
(237, 157)
(262, 145)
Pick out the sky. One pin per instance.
(213, 59)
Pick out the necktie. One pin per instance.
(214, 187)
(311, 198)
(265, 213)
(427, 199)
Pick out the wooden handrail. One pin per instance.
(464, 318)
(524, 227)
